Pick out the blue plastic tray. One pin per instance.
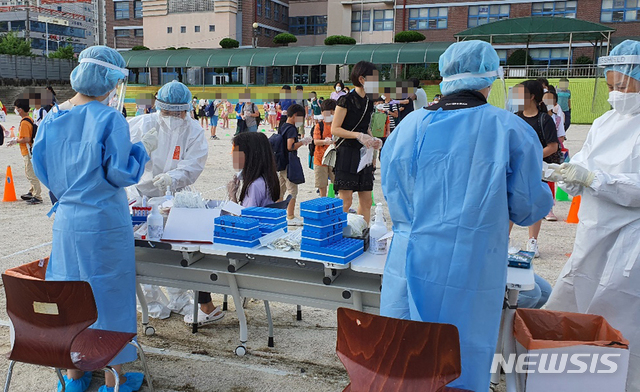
(236, 230)
(237, 222)
(342, 248)
(321, 204)
(138, 220)
(320, 235)
(266, 229)
(331, 258)
(264, 213)
(316, 243)
(326, 229)
(328, 221)
(309, 214)
(242, 236)
(244, 244)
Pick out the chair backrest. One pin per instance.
(386, 354)
(280, 205)
(46, 315)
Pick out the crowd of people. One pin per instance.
(457, 189)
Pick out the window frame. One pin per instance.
(169, 30)
(276, 12)
(267, 9)
(477, 17)
(314, 26)
(617, 9)
(183, 29)
(135, 32)
(385, 19)
(196, 29)
(554, 11)
(126, 35)
(428, 18)
(365, 20)
(212, 28)
(121, 12)
(136, 9)
(259, 7)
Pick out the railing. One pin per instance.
(13, 68)
(551, 71)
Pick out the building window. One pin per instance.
(259, 7)
(566, 9)
(619, 11)
(212, 28)
(308, 25)
(137, 9)
(285, 13)
(181, 6)
(169, 30)
(267, 9)
(183, 29)
(197, 29)
(267, 33)
(502, 54)
(382, 20)
(483, 14)
(276, 12)
(121, 9)
(555, 56)
(138, 32)
(428, 18)
(357, 17)
(122, 33)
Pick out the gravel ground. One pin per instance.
(304, 357)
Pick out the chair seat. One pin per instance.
(94, 349)
(446, 389)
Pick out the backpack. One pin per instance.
(33, 132)
(556, 157)
(280, 150)
(210, 110)
(378, 124)
(312, 145)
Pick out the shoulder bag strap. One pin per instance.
(354, 128)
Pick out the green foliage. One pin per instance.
(11, 44)
(584, 60)
(63, 52)
(284, 39)
(229, 43)
(420, 72)
(409, 36)
(519, 57)
(171, 48)
(139, 47)
(183, 48)
(339, 40)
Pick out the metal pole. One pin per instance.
(570, 56)
(46, 37)
(361, 16)
(609, 43)
(27, 27)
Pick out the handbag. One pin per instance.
(329, 157)
(295, 174)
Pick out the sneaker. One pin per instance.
(27, 196)
(294, 222)
(34, 200)
(214, 137)
(532, 246)
(513, 249)
(551, 217)
(204, 318)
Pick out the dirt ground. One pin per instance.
(303, 358)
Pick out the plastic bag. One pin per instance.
(366, 158)
(156, 302)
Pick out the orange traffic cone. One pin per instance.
(573, 211)
(13, 134)
(9, 188)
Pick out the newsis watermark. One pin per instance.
(556, 363)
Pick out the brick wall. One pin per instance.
(249, 16)
(122, 42)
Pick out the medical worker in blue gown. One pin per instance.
(84, 155)
(454, 175)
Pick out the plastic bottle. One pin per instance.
(377, 231)
(155, 222)
(168, 196)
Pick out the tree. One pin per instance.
(63, 52)
(11, 44)
(339, 40)
(409, 36)
(284, 39)
(584, 60)
(229, 43)
(171, 48)
(519, 57)
(183, 48)
(139, 47)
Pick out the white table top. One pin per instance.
(520, 279)
(369, 263)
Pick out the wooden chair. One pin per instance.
(50, 323)
(387, 354)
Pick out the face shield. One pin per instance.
(117, 95)
(173, 116)
(617, 85)
(498, 93)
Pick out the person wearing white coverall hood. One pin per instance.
(177, 162)
(603, 274)
(454, 174)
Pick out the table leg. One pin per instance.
(242, 319)
(510, 340)
(194, 326)
(495, 377)
(357, 300)
(298, 312)
(143, 305)
(267, 310)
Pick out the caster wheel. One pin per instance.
(241, 351)
(149, 331)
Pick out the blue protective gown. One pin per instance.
(453, 180)
(85, 157)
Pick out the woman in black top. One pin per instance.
(533, 110)
(351, 124)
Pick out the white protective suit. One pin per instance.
(182, 153)
(603, 274)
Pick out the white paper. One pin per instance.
(190, 225)
(366, 159)
(232, 208)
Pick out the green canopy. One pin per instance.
(537, 29)
(407, 53)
